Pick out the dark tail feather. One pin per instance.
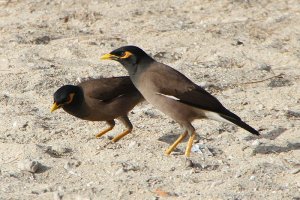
(236, 120)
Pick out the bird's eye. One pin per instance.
(125, 54)
(122, 54)
(70, 98)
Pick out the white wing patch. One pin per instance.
(215, 116)
(168, 96)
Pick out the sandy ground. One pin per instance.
(247, 53)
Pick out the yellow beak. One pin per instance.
(109, 56)
(54, 107)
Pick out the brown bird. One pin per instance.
(172, 93)
(102, 99)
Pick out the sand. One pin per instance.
(246, 53)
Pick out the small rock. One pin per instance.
(201, 148)
(292, 114)
(42, 40)
(189, 163)
(256, 143)
(252, 178)
(61, 149)
(20, 125)
(238, 175)
(172, 169)
(29, 165)
(120, 171)
(150, 113)
(238, 43)
(15, 124)
(280, 82)
(72, 164)
(260, 107)
(132, 144)
(264, 67)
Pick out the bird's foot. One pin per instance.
(118, 137)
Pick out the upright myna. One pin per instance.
(103, 99)
(172, 93)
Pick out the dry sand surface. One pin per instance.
(245, 52)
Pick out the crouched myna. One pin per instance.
(103, 99)
(172, 93)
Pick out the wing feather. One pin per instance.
(107, 89)
(179, 86)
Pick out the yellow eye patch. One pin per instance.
(71, 96)
(126, 54)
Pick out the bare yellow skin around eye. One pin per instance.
(127, 54)
(56, 106)
(71, 96)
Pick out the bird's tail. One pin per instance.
(237, 121)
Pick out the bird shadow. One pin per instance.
(171, 138)
(272, 135)
(42, 169)
(205, 167)
(273, 149)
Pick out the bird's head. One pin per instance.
(64, 96)
(128, 56)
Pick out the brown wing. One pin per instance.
(173, 83)
(106, 89)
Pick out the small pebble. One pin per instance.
(72, 164)
(120, 171)
(61, 149)
(189, 163)
(264, 67)
(260, 107)
(132, 144)
(292, 114)
(29, 165)
(15, 124)
(252, 178)
(280, 82)
(150, 113)
(238, 175)
(42, 40)
(255, 143)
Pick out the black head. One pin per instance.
(128, 56)
(65, 95)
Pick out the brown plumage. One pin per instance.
(173, 93)
(103, 99)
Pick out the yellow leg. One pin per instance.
(104, 131)
(118, 137)
(174, 145)
(189, 145)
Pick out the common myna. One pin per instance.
(103, 99)
(172, 93)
